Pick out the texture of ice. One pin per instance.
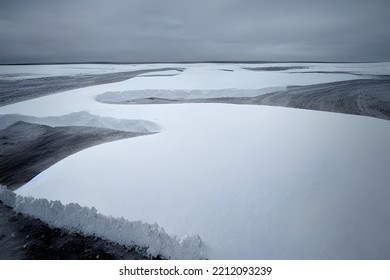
(83, 119)
(88, 221)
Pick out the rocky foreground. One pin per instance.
(25, 238)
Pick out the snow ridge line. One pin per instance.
(88, 221)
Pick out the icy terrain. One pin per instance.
(255, 182)
(23, 237)
(86, 220)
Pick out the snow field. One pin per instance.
(254, 182)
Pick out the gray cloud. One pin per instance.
(177, 30)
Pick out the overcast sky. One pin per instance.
(194, 30)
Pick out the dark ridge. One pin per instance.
(27, 149)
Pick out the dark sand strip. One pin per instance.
(27, 149)
(12, 91)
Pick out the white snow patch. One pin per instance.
(255, 182)
(83, 119)
(88, 221)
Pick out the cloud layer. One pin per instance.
(177, 30)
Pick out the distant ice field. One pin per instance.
(39, 71)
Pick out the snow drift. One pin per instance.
(76, 218)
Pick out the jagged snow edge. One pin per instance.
(88, 221)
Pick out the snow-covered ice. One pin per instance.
(255, 182)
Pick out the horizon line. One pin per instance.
(183, 62)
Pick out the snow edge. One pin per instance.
(88, 221)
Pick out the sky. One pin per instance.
(193, 30)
